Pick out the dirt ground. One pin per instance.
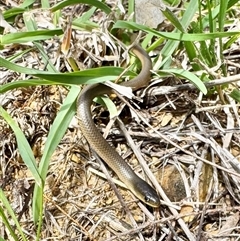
(79, 203)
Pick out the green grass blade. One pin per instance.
(56, 133)
(89, 76)
(187, 75)
(25, 83)
(24, 37)
(212, 28)
(232, 2)
(235, 94)
(95, 3)
(174, 36)
(84, 21)
(1, 239)
(171, 46)
(45, 4)
(174, 20)
(59, 128)
(23, 146)
(10, 211)
(109, 104)
(221, 22)
(27, 3)
(48, 62)
(222, 14)
(131, 9)
(7, 224)
(12, 12)
(87, 15)
(32, 26)
(86, 25)
(28, 19)
(18, 55)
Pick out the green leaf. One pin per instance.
(235, 94)
(45, 3)
(24, 37)
(173, 19)
(48, 62)
(12, 12)
(105, 101)
(27, 3)
(90, 76)
(55, 135)
(187, 75)
(95, 3)
(232, 2)
(171, 45)
(5, 220)
(10, 211)
(25, 83)
(29, 21)
(23, 147)
(222, 14)
(1, 239)
(174, 36)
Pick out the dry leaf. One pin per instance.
(187, 210)
(166, 119)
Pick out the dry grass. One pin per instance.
(192, 148)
